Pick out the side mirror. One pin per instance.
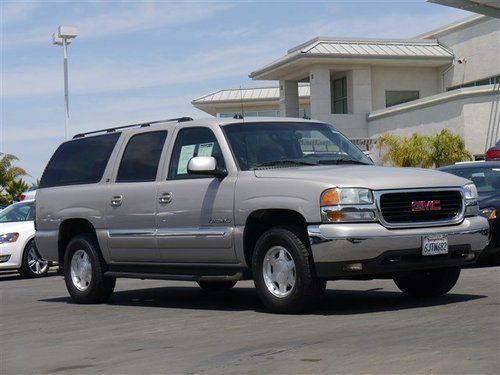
(205, 165)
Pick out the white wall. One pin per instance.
(424, 80)
(479, 43)
(474, 114)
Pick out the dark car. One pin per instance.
(493, 153)
(486, 177)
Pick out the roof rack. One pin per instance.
(141, 125)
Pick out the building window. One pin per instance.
(481, 82)
(400, 96)
(339, 95)
(262, 113)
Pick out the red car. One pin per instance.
(493, 153)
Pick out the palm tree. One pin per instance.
(404, 152)
(423, 151)
(10, 178)
(448, 148)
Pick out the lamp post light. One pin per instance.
(63, 38)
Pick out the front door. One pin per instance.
(131, 203)
(195, 213)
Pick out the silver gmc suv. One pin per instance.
(288, 203)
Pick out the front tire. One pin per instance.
(429, 283)
(216, 286)
(283, 272)
(33, 265)
(84, 271)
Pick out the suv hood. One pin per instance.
(367, 176)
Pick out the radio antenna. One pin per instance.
(241, 101)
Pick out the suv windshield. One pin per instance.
(486, 178)
(291, 144)
(18, 212)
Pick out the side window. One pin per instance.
(79, 161)
(193, 142)
(141, 157)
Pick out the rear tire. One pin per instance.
(84, 269)
(216, 286)
(429, 283)
(33, 265)
(283, 272)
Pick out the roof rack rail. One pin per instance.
(141, 125)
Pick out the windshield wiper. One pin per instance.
(341, 161)
(282, 163)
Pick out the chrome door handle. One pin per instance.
(165, 197)
(117, 200)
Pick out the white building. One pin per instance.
(446, 78)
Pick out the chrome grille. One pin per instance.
(396, 207)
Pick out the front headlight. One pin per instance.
(471, 204)
(9, 237)
(470, 192)
(489, 213)
(343, 196)
(347, 205)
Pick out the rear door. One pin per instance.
(131, 199)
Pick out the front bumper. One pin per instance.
(387, 251)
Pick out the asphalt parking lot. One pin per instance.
(152, 327)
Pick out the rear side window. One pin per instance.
(80, 161)
(141, 157)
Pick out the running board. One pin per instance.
(180, 272)
(164, 276)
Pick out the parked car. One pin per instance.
(494, 152)
(28, 194)
(17, 246)
(288, 203)
(486, 176)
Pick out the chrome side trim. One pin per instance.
(418, 224)
(127, 233)
(192, 232)
(179, 232)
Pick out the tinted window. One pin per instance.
(141, 157)
(339, 95)
(80, 161)
(486, 179)
(193, 142)
(255, 145)
(18, 212)
(399, 97)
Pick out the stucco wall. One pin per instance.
(480, 45)
(424, 80)
(352, 125)
(476, 118)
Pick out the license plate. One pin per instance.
(434, 245)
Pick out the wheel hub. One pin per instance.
(36, 264)
(279, 271)
(81, 270)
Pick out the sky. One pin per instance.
(137, 61)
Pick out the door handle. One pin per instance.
(165, 197)
(117, 200)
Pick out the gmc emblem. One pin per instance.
(419, 206)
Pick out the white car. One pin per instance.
(28, 194)
(17, 244)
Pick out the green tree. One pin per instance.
(10, 178)
(423, 151)
(448, 148)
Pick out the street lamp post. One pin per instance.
(63, 38)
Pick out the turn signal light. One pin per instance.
(330, 197)
(334, 215)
